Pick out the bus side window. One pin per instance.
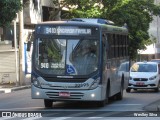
(104, 39)
(106, 42)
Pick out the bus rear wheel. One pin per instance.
(119, 95)
(48, 103)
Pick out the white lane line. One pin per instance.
(103, 115)
(123, 104)
(61, 118)
(31, 118)
(6, 118)
(12, 109)
(72, 115)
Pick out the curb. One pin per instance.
(155, 106)
(9, 90)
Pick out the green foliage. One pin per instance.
(8, 10)
(138, 14)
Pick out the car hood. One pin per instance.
(142, 74)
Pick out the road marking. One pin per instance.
(5, 118)
(104, 115)
(72, 115)
(12, 109)
(123, 104)
(61, 118)
(31, 118)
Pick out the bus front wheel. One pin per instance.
(48, 103)
(106, 100)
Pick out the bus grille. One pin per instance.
(73, 96)
(76, 80)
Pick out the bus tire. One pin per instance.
(107, 92)
(48, 103)
(119, 95)
(128, 90)
(106, 100)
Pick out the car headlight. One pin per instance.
(35, 82)
(152, 78)
(95, 83)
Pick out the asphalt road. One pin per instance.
(132, 104)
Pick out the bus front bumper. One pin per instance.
(66, 95)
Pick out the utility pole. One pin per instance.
(16, 51)
(21, 48)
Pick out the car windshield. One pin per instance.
(67, 56)
(124, 67)
(144, 68)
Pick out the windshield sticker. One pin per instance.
(52, 65)
(57, 65)
(70, 69)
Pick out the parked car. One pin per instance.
(144, 75)
(124, 69)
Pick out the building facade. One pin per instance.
(34, 11)
(153, 51)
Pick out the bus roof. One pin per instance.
(105, 27)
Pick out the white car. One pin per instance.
(144, 75)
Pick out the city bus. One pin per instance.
(78, 60)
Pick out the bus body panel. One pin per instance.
(74, 95)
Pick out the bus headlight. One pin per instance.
(95, 83)
(35, 82)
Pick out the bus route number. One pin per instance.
(79, 85)
(44, 65)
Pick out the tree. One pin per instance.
(8, 10)
(136, 14)
(76, 8)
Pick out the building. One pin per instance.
(153, 51)
(34, 11)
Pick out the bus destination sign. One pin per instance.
(64, 30)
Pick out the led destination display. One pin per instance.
(65, 30)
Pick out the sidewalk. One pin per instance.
(8, 88)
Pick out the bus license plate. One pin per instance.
(139, 83)
(64, 94)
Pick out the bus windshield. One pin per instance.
(67, 56)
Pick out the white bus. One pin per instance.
(79, 61)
